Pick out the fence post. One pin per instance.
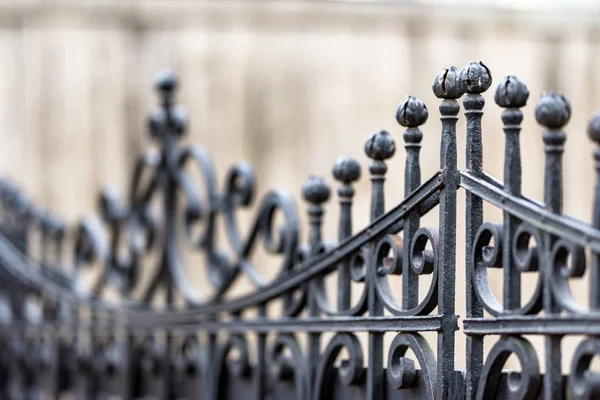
(379, 147)
(475, 79)
(346, 170)
(594, 134)
(447, 87)
(411, 114)
(511, 94)
(316, 192)
(553, 111)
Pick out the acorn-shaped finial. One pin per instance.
(511, 93)
(166, 81)
(475, 78)
(593, 127)
(553, 110)
(447, 84)
(346, 170)
(380, 146)
(316, 190)
(412, 113)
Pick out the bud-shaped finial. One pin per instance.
(346, 170)
(553, 110)
(412, 113)
(475, 78)
(511, 93)
(380, 146)
(166, 82)
(593, 127)
(316, 190)
(447, 84)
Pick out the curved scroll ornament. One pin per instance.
(421, 262)
(583, 382)
(166, 174)
(222, 270)
(189, 357)
(284, 367)
(401, 371)
(351, 371)
(567, 261)
(357, 264)
(526, 252)
(136, 222)
(521, 386)
(225, 366)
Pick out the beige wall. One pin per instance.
(286, 85)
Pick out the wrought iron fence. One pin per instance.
(57, 338)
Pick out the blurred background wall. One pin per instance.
(286, 85)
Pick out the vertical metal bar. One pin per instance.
(261, 365)
(316, 192)
(166, 85)
(553, 112)
(209, 380)
(346, 170)
(475, 79)
(511, 94)
(447, 86)
(594, 134)
(411, 114)
(379, 147)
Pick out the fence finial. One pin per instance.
(475, 78)
(553, 111)
(316, 191)
(346, 170)
(447, 84)
(411, 114)
(170, 119)
(166, 83)
(511, 94)
(379, 147)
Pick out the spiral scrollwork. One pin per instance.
(239, 192)
(567, 261)
(190, 355)
(284, 367)
(357, 263)
(527, 255)
(523, 385)
(401, 371)
(94, 244)
(583, 382)
(351, 371)
(526, 251)
(225, 365)
(421, 261)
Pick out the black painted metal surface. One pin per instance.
(57, 338)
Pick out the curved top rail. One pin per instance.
(135, 315)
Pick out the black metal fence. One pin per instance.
(58, 339)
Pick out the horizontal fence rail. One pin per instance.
(105, 309)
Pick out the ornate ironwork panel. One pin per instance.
(105, 309)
